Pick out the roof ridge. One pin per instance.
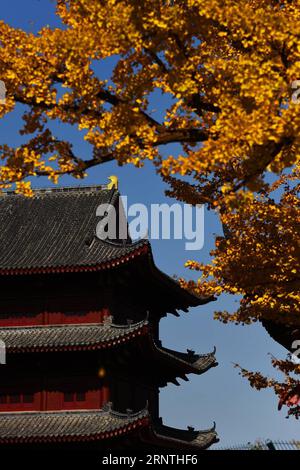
(84, 411)
(50, 412)
(62, 189)
(74, 325)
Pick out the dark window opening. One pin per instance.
(68, 397)
(12, 398)
(3, 399)
(28, 398)
(80, 396)
(74, 396)
(15, 398)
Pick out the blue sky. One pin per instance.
(241, 413)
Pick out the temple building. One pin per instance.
(79, 319)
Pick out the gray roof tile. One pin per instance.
(37, 427)
(55, 231)
(27, 338)
(197, 363)
(56, 228)
(191, 437)
(64, 337)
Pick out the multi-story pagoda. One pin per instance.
(79, 317)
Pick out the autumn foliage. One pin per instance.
(227, 67)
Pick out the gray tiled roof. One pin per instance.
(62, 337)
(199, 363)
(27, 338)
(55, 228)
(36, 426)
(201, 439)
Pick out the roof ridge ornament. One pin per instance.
(190, 352)
(107, 407)
(114, 182)
(108, 320)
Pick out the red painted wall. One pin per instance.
(52, 318)
(79, 394)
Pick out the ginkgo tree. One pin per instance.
(228, 68)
